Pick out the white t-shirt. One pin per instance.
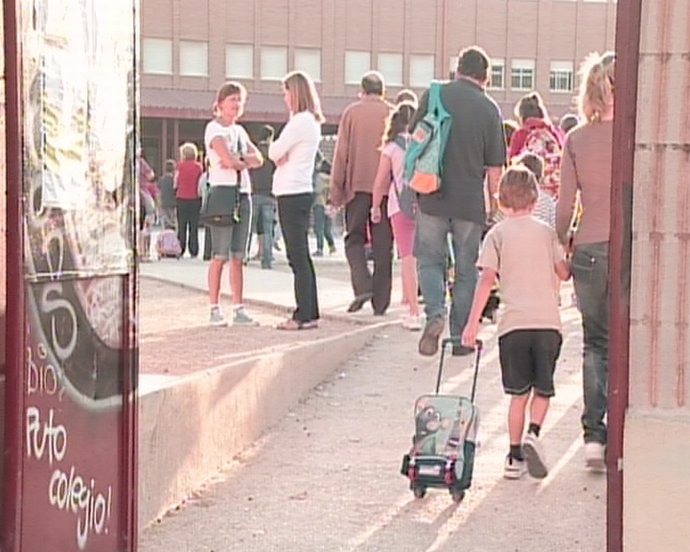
(299, 140)
(236, 141)
(524, 251)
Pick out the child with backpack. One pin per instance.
(529, 259)
(538, 136)
(389, 186)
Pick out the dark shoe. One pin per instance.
(428, 343)
(359, 302)
(295, 325)
(318, 253)
(461, 350)
(331, 249)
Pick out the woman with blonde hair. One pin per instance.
(185, 183)
(294, 153)
(586, 167)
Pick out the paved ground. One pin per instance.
(176, 339)
(327, 477)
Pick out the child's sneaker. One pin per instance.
(514, 468)
(534, 455)
(595, 457)
(241, 318)
(217, 319)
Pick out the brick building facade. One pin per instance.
(189, 48)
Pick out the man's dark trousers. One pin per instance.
(364, 283)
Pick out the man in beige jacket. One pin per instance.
(357, 152)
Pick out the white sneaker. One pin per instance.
(514, 468)
(535, 457)
(217, 319)
(412, 323)
(241, 318)
(595, 457)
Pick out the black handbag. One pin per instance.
(220, 206)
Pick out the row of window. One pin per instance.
(522, 75)
(273, 65)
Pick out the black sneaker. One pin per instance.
(461, 350)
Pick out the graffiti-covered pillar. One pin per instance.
(70, 420)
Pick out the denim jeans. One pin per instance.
(262, 225)
(431, 250)
(590, 267)
(322, 227)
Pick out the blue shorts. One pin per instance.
(231, 241)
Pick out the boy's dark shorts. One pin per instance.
(528, 360)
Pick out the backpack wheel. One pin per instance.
(457, 495)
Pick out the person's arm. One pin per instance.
(254, 158)
(175, 179)
(565, 208)
(517, 142)
(493, 177)
(292, 134)
(382, 184)
(562, 269)
(228, 160)
(340, 160)
(487, 279)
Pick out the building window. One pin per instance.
(391, 67)
(273, 62)
(239, 61)
(193, 59)
(561, 76)
(421, 70)
(356, 64)
(157, 56)
(498, 74)
(309, 61)
(522, 74)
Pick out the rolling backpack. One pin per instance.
(424, 153)
(168, 245)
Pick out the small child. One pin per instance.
(527, 255)
(545, 208)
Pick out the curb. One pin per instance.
(325, 315)
(189, 430)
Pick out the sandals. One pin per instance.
(294, 325)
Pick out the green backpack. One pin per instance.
(424, 153)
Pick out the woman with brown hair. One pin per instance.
(387, 190)
(294, 153)
(230, 153)
(586, 167)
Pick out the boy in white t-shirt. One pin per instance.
(527, 256)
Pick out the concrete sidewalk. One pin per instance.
(326, 476)
(195, 379)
